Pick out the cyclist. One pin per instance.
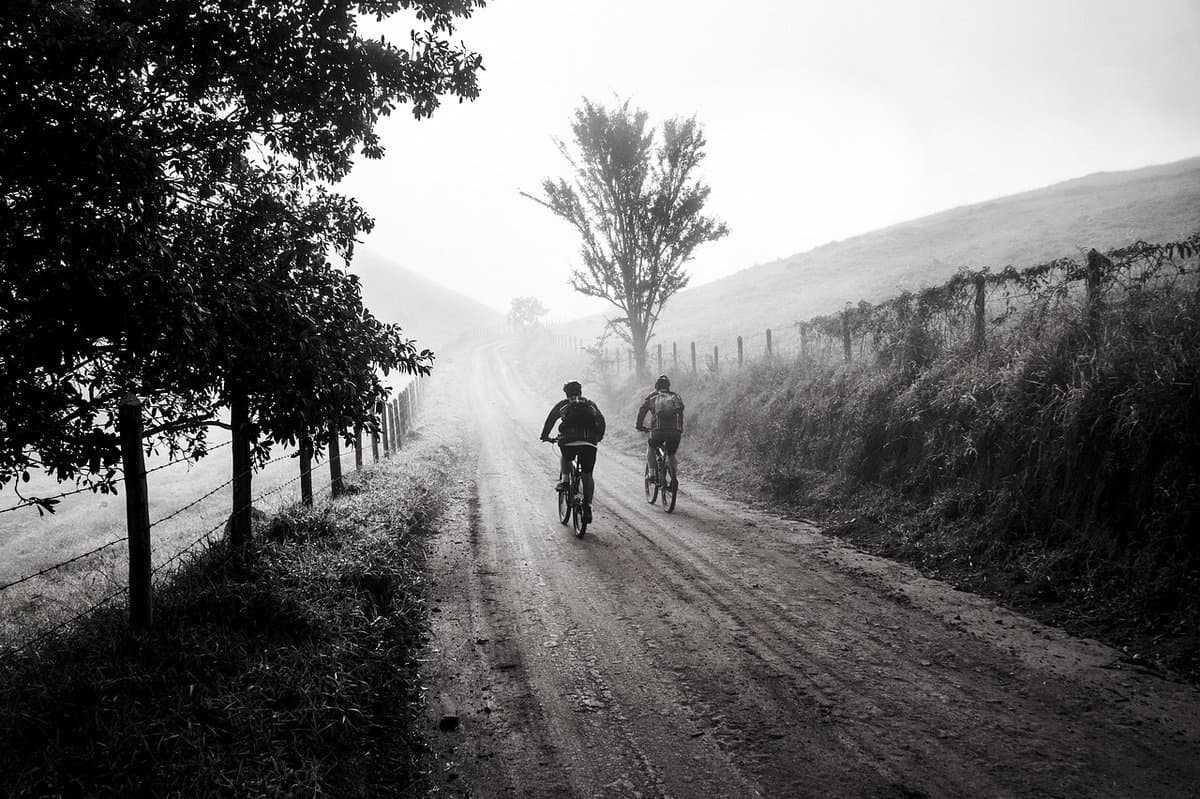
(666, 427)
(581, 428)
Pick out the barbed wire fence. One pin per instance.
(973, 310)
(397, 420)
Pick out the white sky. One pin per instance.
(824, 120)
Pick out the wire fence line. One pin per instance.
(122, 539)
(205, 538)
(99, 488)
(333, 486)
(970, 311)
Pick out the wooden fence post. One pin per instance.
(239, 519)
(846, 333)
(693, 357)
(336, 486)
(768, 342)
(979, 313)
(631, 361)
(385, 428)
(674, 356)
(716, 359)
(739, 352)
(358, 446)
(1096, 263)
(137, 512)
(660, 359)
(803, 340)
(306, 453)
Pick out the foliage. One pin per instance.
(637, 204)
(124, 139)
(294, 676)
(524, 312)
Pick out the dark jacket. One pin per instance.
(593, 435)
(648, 408)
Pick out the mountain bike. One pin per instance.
(570, 499)
(663, 483)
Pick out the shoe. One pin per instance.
(587, 514)
(674, 485)
(563, 485)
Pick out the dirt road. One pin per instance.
(721, 651)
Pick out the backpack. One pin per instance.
(668, 411)
(578, 417)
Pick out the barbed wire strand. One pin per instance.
(67, 562)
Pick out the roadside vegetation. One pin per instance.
(293, 673)
(1058, 474)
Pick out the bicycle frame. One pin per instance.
(661, 487)
(570, 501)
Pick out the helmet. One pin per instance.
(573, 388)
(663, 383)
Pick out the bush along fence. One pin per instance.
(974, 310)
(396, 419)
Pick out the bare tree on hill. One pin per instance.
(638, 207)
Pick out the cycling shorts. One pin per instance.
(668, 438)
(586, 453)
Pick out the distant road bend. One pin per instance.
(725, 652)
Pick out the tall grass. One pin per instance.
(1066, 459)
(293, 675)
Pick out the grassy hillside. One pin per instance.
(435, 316)
(1104, 210)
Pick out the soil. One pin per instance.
(725, 650)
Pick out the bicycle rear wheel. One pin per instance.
(651, 487)
(577, 519)
(669, 489)
(564, 506)
(577, 516)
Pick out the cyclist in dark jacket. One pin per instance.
(666, 428)
(581, 428)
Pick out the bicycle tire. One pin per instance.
(669, 493)
(564, 506)
(577, 517)
(578, 522)
(651, 487)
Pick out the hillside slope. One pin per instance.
(1103, 210)
(437, 317)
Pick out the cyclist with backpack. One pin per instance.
(580, 429)
(667, 425)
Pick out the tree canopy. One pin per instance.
(160, 172)
(638, 205)
(524, 312)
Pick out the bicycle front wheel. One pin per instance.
(651, 487)
(669, 489)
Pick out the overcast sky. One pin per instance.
(824, 120)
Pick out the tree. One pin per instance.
(124, 124)
(524, 312)
(637, 204)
